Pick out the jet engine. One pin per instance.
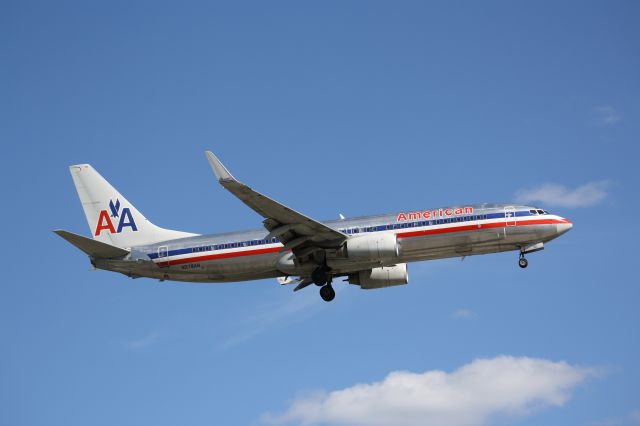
(372, 247)
(386, 276)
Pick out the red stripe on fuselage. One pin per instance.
(400, 235)
(220, 256)
(477, 226)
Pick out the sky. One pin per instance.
(336, 107)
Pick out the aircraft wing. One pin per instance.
(295, 230)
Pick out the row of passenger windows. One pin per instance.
(414, 224)
(351, 231)
(235, 245)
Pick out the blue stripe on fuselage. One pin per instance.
(365, 229)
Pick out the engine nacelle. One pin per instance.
(386, 276)
(372, 247)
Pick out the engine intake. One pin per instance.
(386, 276)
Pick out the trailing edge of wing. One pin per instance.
(277, 215)
(93, 248)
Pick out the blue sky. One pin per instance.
(333, 107)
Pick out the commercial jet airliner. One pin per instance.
(372, 251)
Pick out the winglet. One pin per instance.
(219, 169)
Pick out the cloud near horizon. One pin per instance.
(143, 342)
(463, 313)
(556, 195)
(607, 115)
(469, 396)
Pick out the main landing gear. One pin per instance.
(322, 279)
(523, 262)
(327, 293)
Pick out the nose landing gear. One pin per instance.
(523, 262)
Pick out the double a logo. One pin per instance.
(124, 219)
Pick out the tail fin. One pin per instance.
(112, 219)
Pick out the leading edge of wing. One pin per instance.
(274, 211)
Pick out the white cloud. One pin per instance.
(470, 396)
(143, 342)
(607, 115)
(555, 195)
(463, 313)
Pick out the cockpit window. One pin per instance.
(533, 212)
(545, 212)
(541, 211)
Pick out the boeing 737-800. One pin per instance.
(371, 251)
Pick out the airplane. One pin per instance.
(371, 251)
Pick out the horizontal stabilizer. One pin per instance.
(92, 247)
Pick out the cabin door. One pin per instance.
(510, 216)
(163, 252)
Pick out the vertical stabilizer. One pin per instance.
(112, 218)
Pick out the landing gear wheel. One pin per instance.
(327, 293)
(320, 277)
(523, 263)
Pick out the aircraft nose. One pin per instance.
(564, 226)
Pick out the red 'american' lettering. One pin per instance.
(430, 214)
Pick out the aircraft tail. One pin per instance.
(112, 219)
(91, 247)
